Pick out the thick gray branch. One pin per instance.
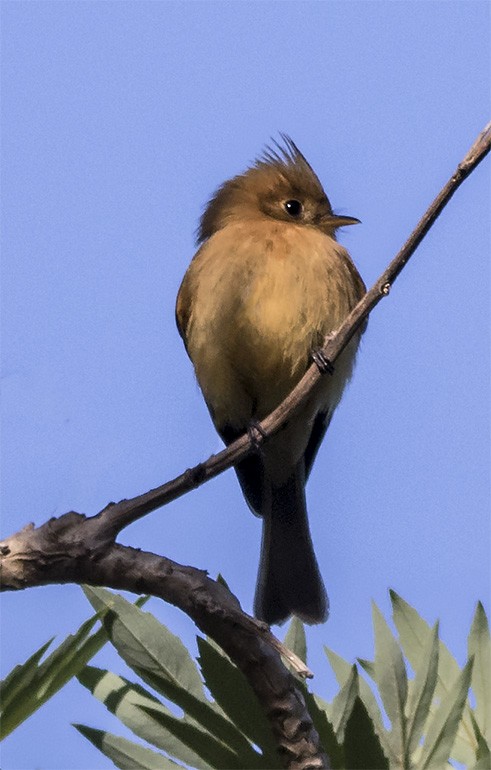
(70, 550)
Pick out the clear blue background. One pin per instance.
(119, 120)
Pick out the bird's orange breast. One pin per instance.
(261, 297)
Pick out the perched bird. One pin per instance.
(267, 285)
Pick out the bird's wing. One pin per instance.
(321, 424)
(184, 307)
(323, 419)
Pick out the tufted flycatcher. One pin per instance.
(267, 285)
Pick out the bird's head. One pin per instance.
(280, 185)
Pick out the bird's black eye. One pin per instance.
(293, 207)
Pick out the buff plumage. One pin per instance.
(267, 285)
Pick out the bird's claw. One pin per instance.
(324, 365)
(256, 434)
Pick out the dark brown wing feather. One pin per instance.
(321, 424)
(250, 472)
(183, 308)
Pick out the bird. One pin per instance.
(268, 283)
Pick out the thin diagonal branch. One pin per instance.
(117, 516)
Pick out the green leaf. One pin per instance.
(322, 705)
(342, 704)
(31, 684)
(342, 670)
(443, 727)
(413, 634)
(368, 666)
(483, 751)
(423, 687)
(479, 647)
(209, 748)
(72, 654)
(205, 713)
(124, 753)
(362, 747)
(17, 683)
(317, 710)
(340, 666)
(145, 644)
(233, 693)
(127, 701)
(295, 639)
(482, 763)
(391, 678)
(163, 661)
(222, 581)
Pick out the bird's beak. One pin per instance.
(339, 220)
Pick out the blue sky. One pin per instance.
(119, 119)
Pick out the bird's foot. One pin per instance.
(256, 434)
(324, 365)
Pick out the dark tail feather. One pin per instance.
(250, 473)
(289, 581)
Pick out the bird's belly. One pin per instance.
(251, 343)
(271, 349)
